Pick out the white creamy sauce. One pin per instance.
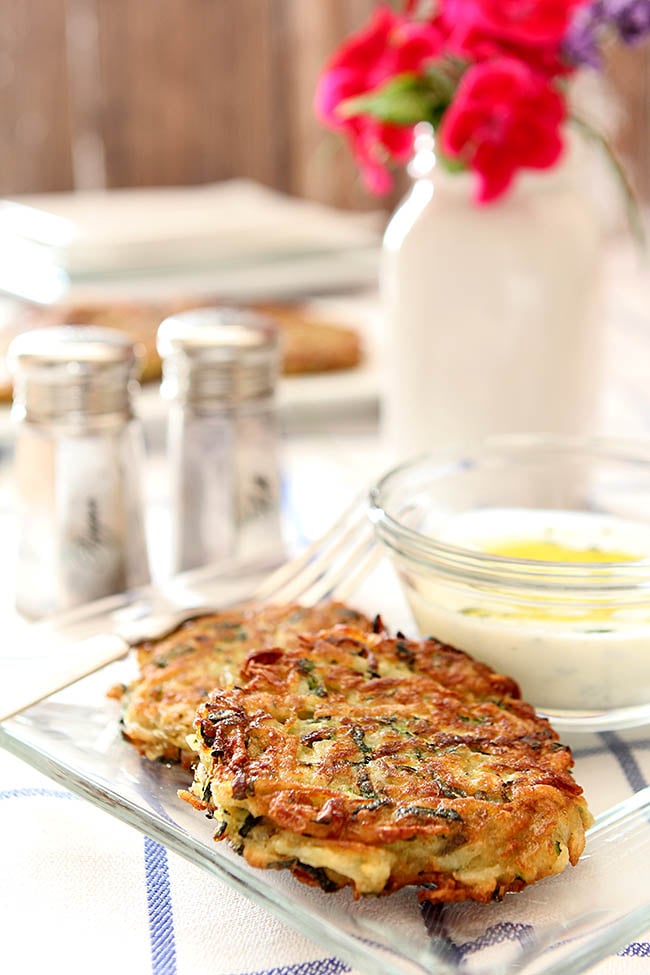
(566, 653)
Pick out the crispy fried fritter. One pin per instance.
(179, 671)
(355, 759)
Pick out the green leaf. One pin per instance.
(404, 100)
(452, 166)
(441, 82)
(409, 98)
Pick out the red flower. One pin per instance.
(388, 46)
(523, 21)
(504, 117)
(475, 44)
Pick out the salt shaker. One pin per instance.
(78, 468)
(219, 376)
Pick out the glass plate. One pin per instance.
(563, 924)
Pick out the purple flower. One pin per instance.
(630, 18)
(582, 39)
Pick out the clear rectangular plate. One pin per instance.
(564, 924)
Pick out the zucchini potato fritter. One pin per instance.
(357, 760)
(178, 671)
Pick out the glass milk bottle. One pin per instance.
(493, 313)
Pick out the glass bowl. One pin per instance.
(532, 553)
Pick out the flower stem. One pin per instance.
(632, 209)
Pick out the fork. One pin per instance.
(330, 568)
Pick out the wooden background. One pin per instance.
(154, 92)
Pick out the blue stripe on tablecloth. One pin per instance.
(622, 752)
(605, 748)
(498, 933)
(433, 916)
(638, 949)
(36, 793)
(159, 902)
(322, 966)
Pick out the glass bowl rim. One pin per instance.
(478, 566)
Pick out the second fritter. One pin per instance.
(179, 671)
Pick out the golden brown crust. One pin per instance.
(178, 671)
(375, 762)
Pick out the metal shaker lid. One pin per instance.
(73, 371)
(218, 356)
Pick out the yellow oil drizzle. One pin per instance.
(539, 550)
(595, 614)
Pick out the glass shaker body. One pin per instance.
(78, 468)
(219, 377)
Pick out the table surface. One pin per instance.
(111, 901)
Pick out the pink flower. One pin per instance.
(524, 21)
(388, 46)
(504, 117)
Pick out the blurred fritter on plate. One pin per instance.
(310, 342)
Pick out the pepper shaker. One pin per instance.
(78, 468)
(219, 375)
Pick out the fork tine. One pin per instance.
(329, 568)
(340, 581)
(293, 579)
(367, 563)
(320, 578)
